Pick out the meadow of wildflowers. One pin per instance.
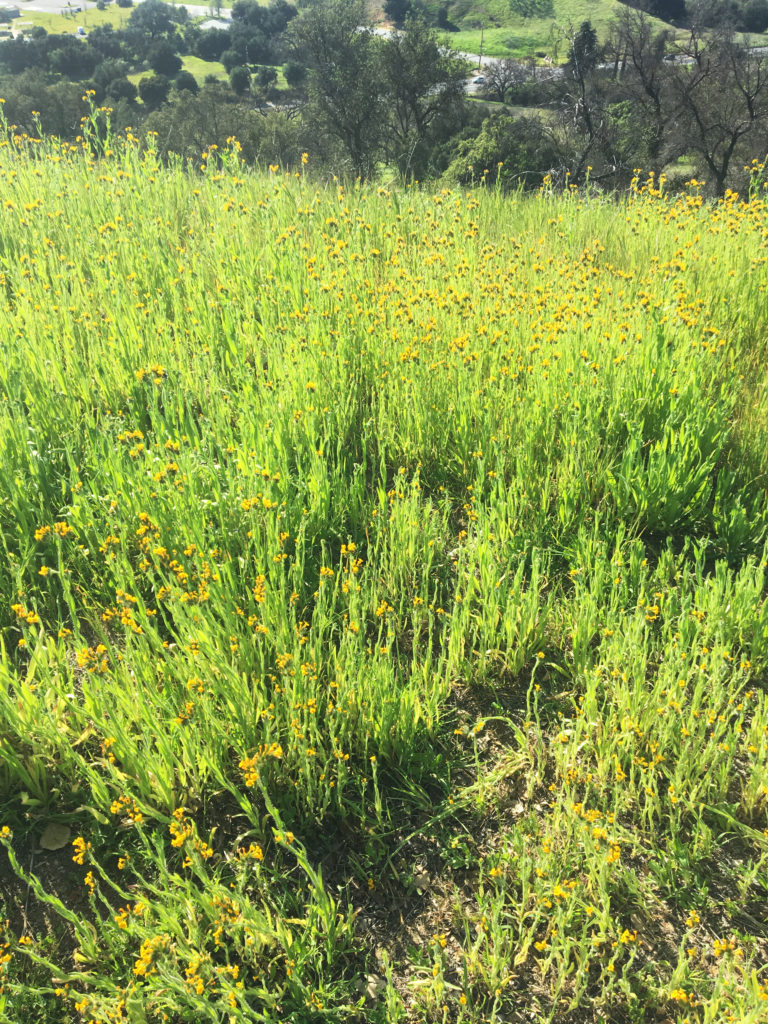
(383, 582)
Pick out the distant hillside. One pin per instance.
(537, 27)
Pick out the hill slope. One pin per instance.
(385, 623)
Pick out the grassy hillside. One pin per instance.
(384, 623)
(522, 28)
(88, 19)
(525, 28)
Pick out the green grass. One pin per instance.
(60, 23)
(385, 611)
(199, 68)
(202, 68)
(521, 28)
(508, 34)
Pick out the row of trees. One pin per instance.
(361, 100)
(155, 36)
(644, 99)
(648, 100)
(366, 98)
(389, 99)
(153, 33)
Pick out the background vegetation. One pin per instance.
(674, 89)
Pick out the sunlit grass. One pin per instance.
(507, 33)
(201, 69)
(69, 23)
(385, 584)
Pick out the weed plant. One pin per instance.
(384, 597)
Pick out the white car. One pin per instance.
(480, 80)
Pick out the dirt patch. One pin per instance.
(25, 913)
